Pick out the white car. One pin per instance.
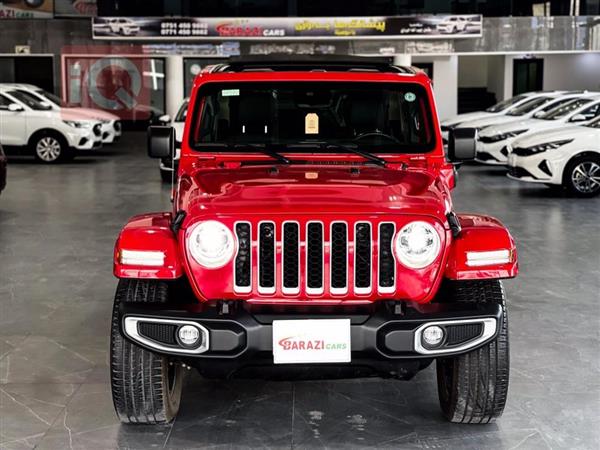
(454, 24)
(111, 123)
(30, 126)
(167, 166)
(123, 26)
(496, 110)
(493, 141)
(535, 106)
(568, 156)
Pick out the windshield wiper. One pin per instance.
(370, 156)
(262, 148)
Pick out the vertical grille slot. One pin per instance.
(387, 264)
(291, 258)
(339, 258)
(314, 258)
(362, 258)
(266, 258)
(243, 260)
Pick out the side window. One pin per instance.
(591, 112)
(4, 102)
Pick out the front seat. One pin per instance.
(255, 116)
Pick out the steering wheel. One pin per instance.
(378, 134)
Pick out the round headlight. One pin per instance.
(417, 244)
(211, 244)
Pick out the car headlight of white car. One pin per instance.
(417, 244)
(540, 148)
(506, 135)
(211, 244)
(78, 124)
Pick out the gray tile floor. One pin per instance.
(57, 230)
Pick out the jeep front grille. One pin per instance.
(339, 257)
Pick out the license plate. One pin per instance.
(311, 341)
(512, 160)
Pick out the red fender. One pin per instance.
(148, 233)
(481, 234)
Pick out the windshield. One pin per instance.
(550, 106)
(562, 111)
(594, 123)
(498, 107)
(528, 106)
(50, 97)
(390, 117)
(182, 113)
(30, 100)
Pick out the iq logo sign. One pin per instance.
(104, 78)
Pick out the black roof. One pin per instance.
(311, 63)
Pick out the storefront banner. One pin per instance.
(76, 8)
(396, 27)
(26, 9)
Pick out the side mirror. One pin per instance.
(15, 107)
(578, 118)
(161, 142)
(165, 118)
(461, 144)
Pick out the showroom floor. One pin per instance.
(57, 230)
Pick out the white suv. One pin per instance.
(568, 156)
(111, 123)
(30, 126)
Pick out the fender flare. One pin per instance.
(148, 233)
(481, 234)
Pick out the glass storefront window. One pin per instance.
(132, 87)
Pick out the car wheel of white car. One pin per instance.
(582, 176)
(49, 149)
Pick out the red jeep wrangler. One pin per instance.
(312, 234)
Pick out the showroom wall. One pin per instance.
(473, 71)
(578, 71)
(561, 71)
(445, 82)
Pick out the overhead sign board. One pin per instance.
(30, 9)
(193, 28)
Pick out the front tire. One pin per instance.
(146, 387)
(582, 176)
(49, 148)
(473, 387)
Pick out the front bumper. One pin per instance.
(542, 167)
(495, 153)
(380, 333)
(111, 132)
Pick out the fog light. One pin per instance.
(189, 336)
(433, 336)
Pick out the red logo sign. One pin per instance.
(103, 78)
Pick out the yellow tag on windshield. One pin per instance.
(311, 123)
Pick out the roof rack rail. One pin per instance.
(312, 63)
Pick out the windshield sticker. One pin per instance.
(410, 97)
(311, 123)
(230, 92)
